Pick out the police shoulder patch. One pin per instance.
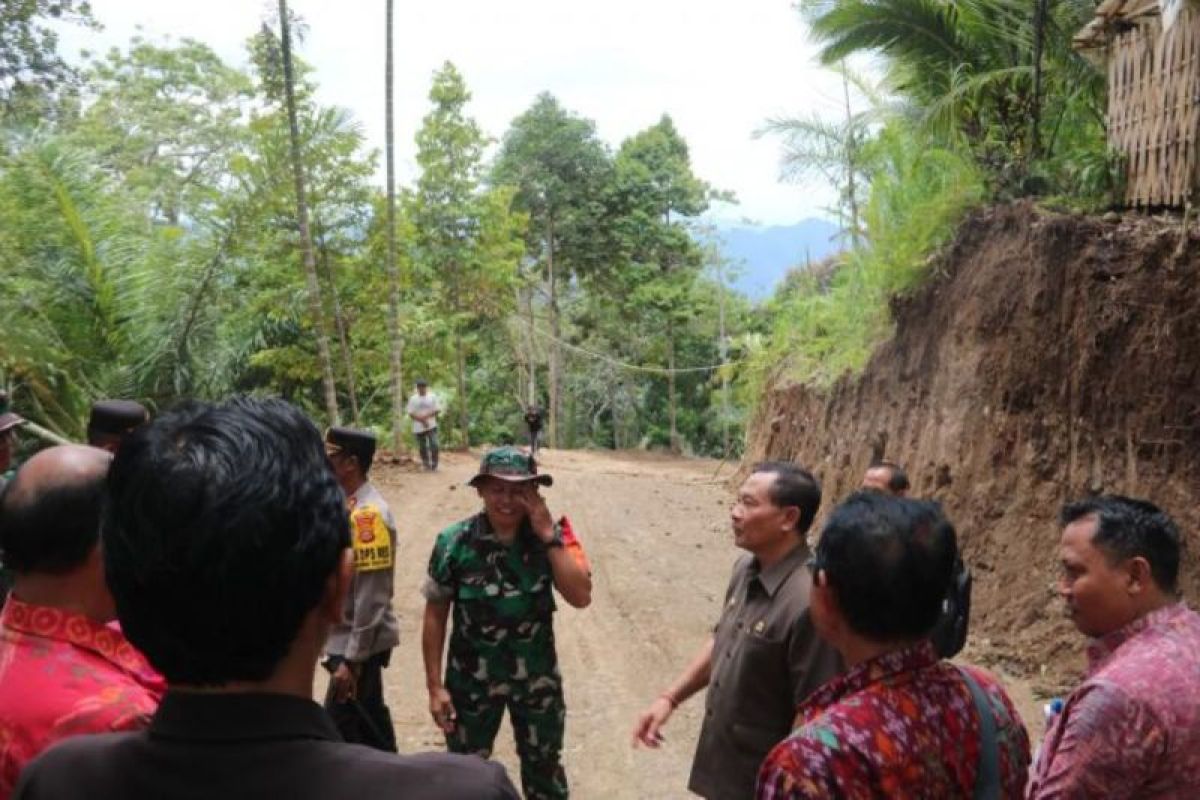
(372, 540)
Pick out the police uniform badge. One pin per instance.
(372, 539)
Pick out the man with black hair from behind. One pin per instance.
(227, 549)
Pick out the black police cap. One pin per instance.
(116, 416)
(352, 440)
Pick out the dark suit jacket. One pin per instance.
(248, 746)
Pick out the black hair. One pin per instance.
(889, 562)
(793, 486)
(897, 477)
(1127, 527)
(224, 524)
(53, 530)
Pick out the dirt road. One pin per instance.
(656, 530)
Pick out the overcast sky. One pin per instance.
(718, 67)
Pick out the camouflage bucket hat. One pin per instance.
(509, 464)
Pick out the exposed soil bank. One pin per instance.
(1049, 356)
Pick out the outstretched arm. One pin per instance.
(648, 730)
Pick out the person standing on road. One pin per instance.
(496, 570)
(764, 657)
(533, 421)
(360, 645)
(949, 635)
(1132, 728)
(901, 722)
(64, 671)
(424, 408)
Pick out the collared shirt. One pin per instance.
(903, 725)
(62, 674)
(234, 746)
(368, 623)
(1132, 728)
(503, 603)
(766, 659)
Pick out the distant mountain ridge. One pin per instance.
(762, 255)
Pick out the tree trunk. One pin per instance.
(340, 326)
(554, 354)
(614, 391)
(461, 360)
(395, 342)
(723, 350)
(315, 305)
(1039, 37)
(671, 384)
(463, 415)
(533, 396)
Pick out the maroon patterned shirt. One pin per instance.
(903, 725)
(1132, 728)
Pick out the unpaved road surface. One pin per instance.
(657, 532)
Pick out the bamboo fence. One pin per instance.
(1154, 105)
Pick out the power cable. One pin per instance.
(632, 367)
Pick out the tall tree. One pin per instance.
(814, 146)
(395, 342)
(447, 212)
(316, 306)
(560, 169)
(657, 191)
(32, 73)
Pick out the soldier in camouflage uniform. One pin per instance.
(496, 570)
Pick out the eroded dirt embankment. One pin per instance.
(1050, 356)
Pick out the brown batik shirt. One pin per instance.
(766, 659)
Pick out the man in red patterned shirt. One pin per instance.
(900, 722)
(1132, 729)
(64, 670)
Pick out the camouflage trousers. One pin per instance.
(537, 713)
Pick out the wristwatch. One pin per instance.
(557, 539)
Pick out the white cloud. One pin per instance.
(719, 68)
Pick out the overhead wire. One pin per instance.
(632, 367)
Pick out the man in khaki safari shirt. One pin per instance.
(764, 656)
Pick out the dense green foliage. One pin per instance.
(153, 247)
(978, 100)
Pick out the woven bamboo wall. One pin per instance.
(1154, 109)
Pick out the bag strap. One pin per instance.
(987, 778)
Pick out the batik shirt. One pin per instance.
(1132, 728)
(62, 674)
(503, 603)
(903, 725)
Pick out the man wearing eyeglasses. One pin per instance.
(764, 656)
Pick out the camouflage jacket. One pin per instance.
(503, 601)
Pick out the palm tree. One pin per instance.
(972, 69)
(315, 304)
